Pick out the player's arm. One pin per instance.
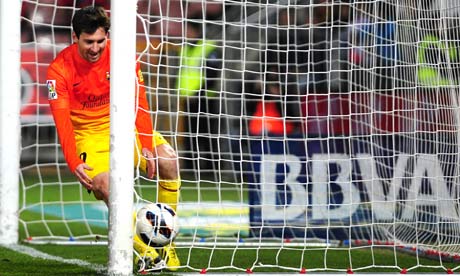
(59, 104)
(144, 124)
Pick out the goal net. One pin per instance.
(301, 127)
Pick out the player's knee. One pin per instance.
(168, 165)
(100, 195)
(101, 187)
(168, 168)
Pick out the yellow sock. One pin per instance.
(138, 244)
(168, 192)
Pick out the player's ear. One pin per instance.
(74, 37)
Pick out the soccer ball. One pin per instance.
(157, 224)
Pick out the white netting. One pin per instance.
(297, 124)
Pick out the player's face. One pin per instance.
(91, 46)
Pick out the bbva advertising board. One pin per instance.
(342, 187)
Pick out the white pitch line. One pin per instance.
(38, 254)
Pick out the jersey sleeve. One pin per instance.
(58, 98)
(143, 120)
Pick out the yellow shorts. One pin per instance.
(94, 150)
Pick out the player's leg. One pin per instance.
(168, 190)
(168, 187)
(147, 257)
(101, 187)
(168, 172)
(94, 151)
(169, 182)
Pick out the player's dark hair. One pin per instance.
(89, 19)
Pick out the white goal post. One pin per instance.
(9, 121)
(300, 126)
(122, 118)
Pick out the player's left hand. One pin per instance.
(151, 164)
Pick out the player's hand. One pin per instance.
(84, 179)
(151, 164)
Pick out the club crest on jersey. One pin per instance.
(107, 75)
(51, 85)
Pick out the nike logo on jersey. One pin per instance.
(77, 83)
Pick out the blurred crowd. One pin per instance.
(51, 19)
(274, 69)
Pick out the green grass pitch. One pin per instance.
(84, 259)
